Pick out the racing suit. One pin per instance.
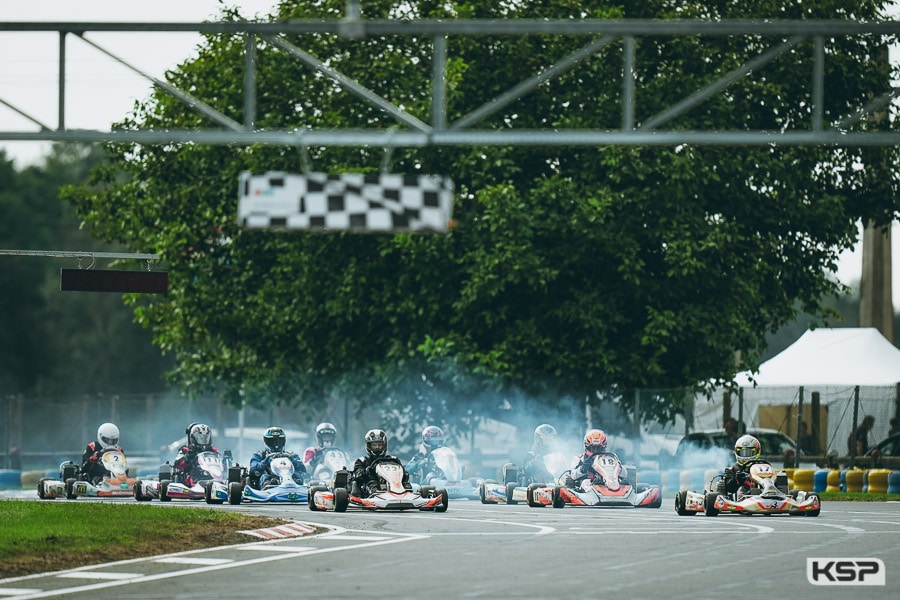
(582, 470)
(533, 468)
(259, 468)
(186, 467)
(312, 457)
(420, 464)
(92, 468)
(366, 478)
(738, 476)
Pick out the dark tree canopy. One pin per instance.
(571, 269)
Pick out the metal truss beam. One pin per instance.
(413, 132)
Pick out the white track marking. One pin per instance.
(188, 560)
(17, 591)
(100, 575)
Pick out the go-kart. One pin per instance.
(333, 460)
(443, 470)
(283, 487)
(769, 496)
(514, 488)
(390, 495)
(114, 483)
(605, 489)
(210, 467)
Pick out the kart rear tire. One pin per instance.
(164, 491)
(680, 502)
(481, 493)
(445, 501)
(40, 490)
(710, 504)
(558, 501)
(139, 494)
(70, 489)
(341, 499)
(814, 513)
(510, 488)
(235, 492)
(311, 500)
(529, 494)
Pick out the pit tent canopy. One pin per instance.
(848, 356)
(830, 362)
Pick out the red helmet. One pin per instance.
(595, 441)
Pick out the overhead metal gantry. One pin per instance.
(414, 132)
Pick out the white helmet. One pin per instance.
(108, 436)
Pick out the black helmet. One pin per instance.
(325, 434)
(376, 443)
(274, 439)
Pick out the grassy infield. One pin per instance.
(46, 536)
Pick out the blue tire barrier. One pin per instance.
(894, 483)
(820, 480)
(10, 478)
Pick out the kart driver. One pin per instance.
(325, 436)
(274, 439)
(594, 443)
(533, 468)
(747, 452)
(422, 461)
(364, 467)
(107, 439)
(199, 439)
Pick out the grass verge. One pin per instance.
(37, 537)
(856, 497)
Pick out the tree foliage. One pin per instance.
(571, 269)
(61, 343)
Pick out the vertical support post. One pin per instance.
(851, 441)
(250, 82)
(439, 83)
(815, 424)
(636, 418)
(742, 427)
(61, 99)
(799, 427)
(628, 86)
(818, 83)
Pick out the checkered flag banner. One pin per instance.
(345, 202)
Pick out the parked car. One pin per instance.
(715, 448)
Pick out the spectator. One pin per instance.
(731, 429)
(893, 427)
(807, 441)
(859, 439)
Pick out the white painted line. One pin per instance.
(193, 560)
(17, 591)
(100, 575)
(361, 538)
(280, 548)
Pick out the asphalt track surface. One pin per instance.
(498, 551)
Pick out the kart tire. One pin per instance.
(341, 499)
(445, 501)
(207, 494)
(529, 494)
(164, 491)
(311, 500)
(558, 501)
(40, 490)
(70, 488)
(680, 502)
(481, 493)
(235, 492)
(814, 513)
(426, 491)
(510, 488)
(656, 503)
(139, 494)
(710, 504)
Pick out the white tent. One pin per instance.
(831, 362)
(847, 356)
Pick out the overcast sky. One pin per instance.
(100, 91)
